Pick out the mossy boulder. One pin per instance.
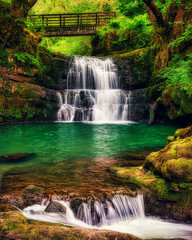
(174, 162)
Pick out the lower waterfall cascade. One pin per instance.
(92, 93)
(122, 214)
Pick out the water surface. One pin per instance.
(55, 142)
(59, 141)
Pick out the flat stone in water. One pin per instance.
(16, 157)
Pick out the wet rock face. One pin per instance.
(139, 106)
(32, 97)
(26, 196)
(131, 70)
(32, 194)
(55, 207)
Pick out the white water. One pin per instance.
(122, 214)
(92, 93)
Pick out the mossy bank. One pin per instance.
(165, 178)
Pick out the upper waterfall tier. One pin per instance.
(92, 73)
(92, 93)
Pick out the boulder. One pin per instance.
(174, 162)
(55, 207)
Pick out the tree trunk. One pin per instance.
(20, 8)
(156, 12)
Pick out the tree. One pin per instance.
(20, 8)
(155, 11)
(168, 28)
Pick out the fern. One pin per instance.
(179, 74)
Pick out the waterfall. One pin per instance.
(92, 93)
(121, 208)
(121, 213)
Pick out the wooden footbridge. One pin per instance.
(73, 24)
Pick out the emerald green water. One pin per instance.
(53, 142)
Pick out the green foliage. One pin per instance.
(185, 37)
(130, 8)
(27, 58)
(69, 45)
(75, 6)
(125, 34)
(7, 1)
(179, 74)
(33, 25)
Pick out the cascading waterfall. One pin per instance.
(92, 93)
(121, 208)
(122, 214)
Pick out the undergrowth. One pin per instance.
(178, 74)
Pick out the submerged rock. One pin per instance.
(15, 157)
(55, 207)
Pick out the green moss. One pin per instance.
(170, 139)
(160, 186)
(174, 162)
(32, 189)
(183, 133)
(180, 169)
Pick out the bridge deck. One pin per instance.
(71, 24)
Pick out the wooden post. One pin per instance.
(96, 19)
(64, 21)
(60, 21)
(43, 20)
(78, 20)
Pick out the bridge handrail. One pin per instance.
(71, 21)
(105, 13)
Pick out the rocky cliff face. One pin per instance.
(134, 76)
(31, 96)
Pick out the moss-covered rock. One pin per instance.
(21, 101)
(166, 179)
(174, 162)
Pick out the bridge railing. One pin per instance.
(71, 21)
